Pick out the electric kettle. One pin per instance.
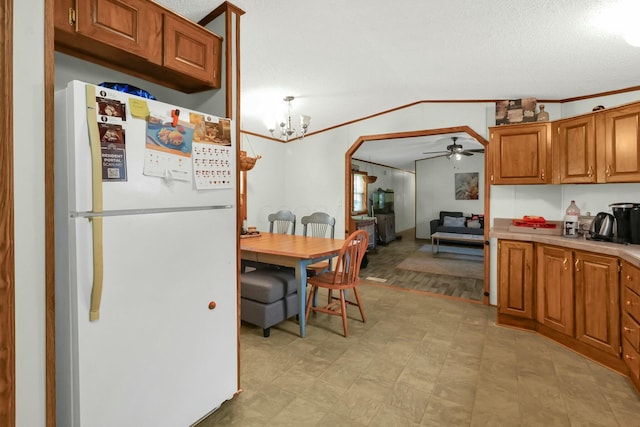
(602, 226)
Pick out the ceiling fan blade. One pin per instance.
(437, 152)
(476, 150)
(466, 153)
(439, 155)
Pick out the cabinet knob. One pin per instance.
(565, 263)
(577, 265)
(628, 277)
(608, 171)
(590, 171)
(626, 356)
(542, 174)
(627, 329)
(628, 302)
(212, 305)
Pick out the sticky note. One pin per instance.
(139, 108)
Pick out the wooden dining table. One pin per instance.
(291, 251)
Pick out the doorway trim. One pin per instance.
(7, 249)
(350, 224)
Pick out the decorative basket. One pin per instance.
(371, 179)
(247, 163)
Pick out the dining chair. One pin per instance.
(344, 277)
(316, 225)
(281, 221)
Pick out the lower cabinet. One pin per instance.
(574, 297)
(630, 279)
(554, 288)
(515, 278)
(597, 301)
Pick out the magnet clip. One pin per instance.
(174, 114)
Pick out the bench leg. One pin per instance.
(266, 332)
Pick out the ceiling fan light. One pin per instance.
(457, 156)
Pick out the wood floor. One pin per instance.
(382, 265)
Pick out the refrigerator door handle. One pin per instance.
(96, 183)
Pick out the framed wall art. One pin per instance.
(466, 186)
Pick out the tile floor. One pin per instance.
(419, 360)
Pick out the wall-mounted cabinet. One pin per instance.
(141, 38)
(599, 147)
(521, 154)
(574, 161)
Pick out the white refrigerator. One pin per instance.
(146, 261)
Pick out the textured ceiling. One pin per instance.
(345, 60)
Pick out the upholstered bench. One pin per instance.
(267, 297)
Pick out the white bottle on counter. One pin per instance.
(571, 220)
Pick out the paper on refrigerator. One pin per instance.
(168, 148)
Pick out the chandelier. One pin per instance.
(287, 131)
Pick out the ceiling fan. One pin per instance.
(455, 150)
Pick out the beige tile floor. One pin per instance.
(419, 360)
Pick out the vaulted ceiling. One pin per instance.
(345, 60)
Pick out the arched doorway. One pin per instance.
(350, 225)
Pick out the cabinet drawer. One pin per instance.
(631, 304)
(631, 358)
(631, 277)
(631, 330)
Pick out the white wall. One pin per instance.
(435, 189)
(312, 170)
(28, 157)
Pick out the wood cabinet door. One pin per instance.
(575, 150)
(191, 49)
(622, 144)
(124, 24)
(521, 154)
(554, 288)
(597, 288)
(515, 278)
(64, 16)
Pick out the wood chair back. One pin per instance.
(282, 221)
(317, 224)
(344, 277)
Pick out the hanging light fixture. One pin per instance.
(287, 131)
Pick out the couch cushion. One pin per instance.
(451, 221)
(448, 213)
(459, 230)
(267, 285)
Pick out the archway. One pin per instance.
(350, 225)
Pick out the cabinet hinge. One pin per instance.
(72, 17)
(619, 268)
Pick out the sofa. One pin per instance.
(457, 222)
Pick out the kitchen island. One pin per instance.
(584, 294)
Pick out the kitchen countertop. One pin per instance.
(628, 252)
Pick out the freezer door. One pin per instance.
(73, 160)
(159, 354)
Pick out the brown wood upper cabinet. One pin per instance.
(140, 38)
(575, 150)
(622, 144)
(521, 153)
(600, 147)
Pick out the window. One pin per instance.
(359, 192)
